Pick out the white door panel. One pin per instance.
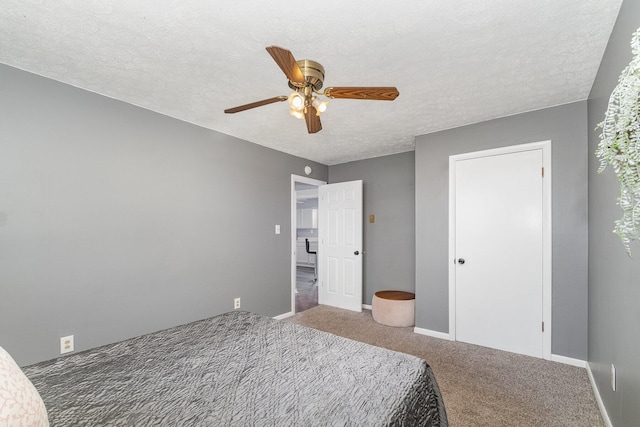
(340, 245)
(499, 235)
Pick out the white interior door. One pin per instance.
(340, 245)
(499, 251)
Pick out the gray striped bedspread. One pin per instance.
(239, 369)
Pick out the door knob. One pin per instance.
(460, 261)
(356, 253)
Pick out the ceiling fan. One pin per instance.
(306, 78)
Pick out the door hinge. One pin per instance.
(543, 171)
(542, 326)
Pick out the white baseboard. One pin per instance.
(596, 392)
(284, 316)
(569, 361)
(435, 334)
(366, 306)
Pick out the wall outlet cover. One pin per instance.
(66, 344)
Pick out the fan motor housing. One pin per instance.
(313, 73)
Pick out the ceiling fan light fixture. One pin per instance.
(298, 114)
(296, 101)
(320, 106)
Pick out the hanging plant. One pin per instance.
(620, 145)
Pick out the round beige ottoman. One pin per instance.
(394, 308)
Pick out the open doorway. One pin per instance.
(304, 232)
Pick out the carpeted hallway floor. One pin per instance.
(307, 289)
(480, 386)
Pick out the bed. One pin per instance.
(238, 369)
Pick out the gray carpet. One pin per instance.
(480, 386)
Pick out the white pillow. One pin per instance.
(20, 403)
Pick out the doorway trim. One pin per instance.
(546, 234)
(294, 219)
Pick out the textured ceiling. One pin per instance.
(454, 62)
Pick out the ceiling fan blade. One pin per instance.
(255, 104)
(373, 93)
(287, 63)
(312, 119)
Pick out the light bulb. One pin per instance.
(320, 106)
(296, 101)
(296, 113)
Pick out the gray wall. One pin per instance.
(389, 194)
(566, 127)
(614, 278)
(116, 221)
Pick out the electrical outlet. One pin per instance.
(66, 344)
(613, 377)
(236, 303)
